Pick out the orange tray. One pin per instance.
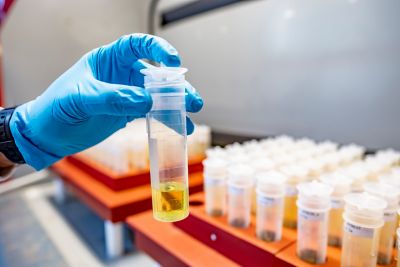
(170, 246)
(240, 245)
(332, 258)
(118, 182)
(107, 203)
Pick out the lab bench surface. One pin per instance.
(111, 205)
(171, 246)
(121, 181)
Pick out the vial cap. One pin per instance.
(365, 203)
(271, 183)
(158, 75)
(389, 193)
(241, 175)
(215, 167)
(339, 182)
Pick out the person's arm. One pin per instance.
(97, 96)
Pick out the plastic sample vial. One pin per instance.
(391, 195)
(215, 174)
(341, 187)
(398, 247)
(166, 128)
(270, 203)
(363, 220)
(358, 175)
(294, 175)
(313, 215)
(259, 165)
(240, 185)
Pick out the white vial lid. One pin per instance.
(271, 184)
(238, 158)
(314, 196)
(159, 76)
(256, 154)
(262, 165)
(284, 140)
(390, 179)
(240, 175)
(216, 152)
(234, 148)
(315, 165)
(356, 171)
(395, 172)
(389, 193)
(305, 143)
(340, 183)
(215, 168)
(364, 209)
(294, 173)
(330, 160)
(327, 147)
(358, 150)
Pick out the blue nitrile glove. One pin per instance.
(94, 98)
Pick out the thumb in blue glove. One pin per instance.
(94, 98)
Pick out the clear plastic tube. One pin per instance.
(240, 183)
(166, 128)
(391, 195)
(215, 186)
(341, 187)
(363, 220)
(294, 175)
(270, 197)
(313, 213)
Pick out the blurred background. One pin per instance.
(323, 69)
(307, 68)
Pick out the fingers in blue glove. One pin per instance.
(132, 47)
(115, 99)
(193, 101)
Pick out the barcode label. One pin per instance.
(358, 230)
(236, 190)
(389, 216)
(210, 181)
(337, 203)
(311, 215)
(268, 201)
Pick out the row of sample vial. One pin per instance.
(333, 195)
(127, 150)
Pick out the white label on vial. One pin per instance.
(236, 190)
(337, 203)
(268, 201)
(210, 181)
(389, 216)
(291, 190)
(358, 230)
(311, 215)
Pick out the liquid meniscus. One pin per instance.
(170, 202)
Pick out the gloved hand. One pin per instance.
(94, 98)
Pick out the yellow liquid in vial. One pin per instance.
(386, 243)
(335, 227)
(359, 251)
(290, 212)
(170, 202)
